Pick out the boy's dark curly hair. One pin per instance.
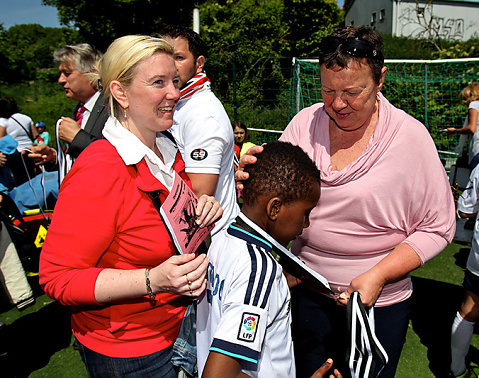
(282, 170)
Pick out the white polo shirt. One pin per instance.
(205, 139)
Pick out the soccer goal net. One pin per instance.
(426, 89)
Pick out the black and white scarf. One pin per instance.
(366, 354)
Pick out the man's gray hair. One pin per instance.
(83, 56)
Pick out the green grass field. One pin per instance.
(37, 342)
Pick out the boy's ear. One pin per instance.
(273, 208)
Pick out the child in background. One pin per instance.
(243, 317)
(242, 144)
(44, 136)
(470, 97)
(241, 135)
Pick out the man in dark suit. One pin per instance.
(89, 114)
(74, 61)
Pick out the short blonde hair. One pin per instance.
(470, 93)
(120, 60)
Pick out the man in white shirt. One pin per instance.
(201, 126)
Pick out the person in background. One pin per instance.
(90, 112)
(470, 97)
(12, 275)
(386, 205)
(467, 315)
(201, 127)
(242, 137)
(44, 136)
(21, 128)
(114, 261)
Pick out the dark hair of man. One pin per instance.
(241, 125)
(8, 107)
(195, 43)
(283, 171)
(342, 59)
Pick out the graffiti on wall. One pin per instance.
(422, 22)
(450, 28)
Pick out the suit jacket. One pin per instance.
(93, 128)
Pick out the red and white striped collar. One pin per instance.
(197, 83)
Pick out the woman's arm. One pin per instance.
(397, 264)
(182, 275)
(3, 131)
(471, 126)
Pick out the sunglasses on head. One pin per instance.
(357, 47)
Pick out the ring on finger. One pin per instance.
(188, 282)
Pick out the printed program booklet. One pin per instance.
(178, 214)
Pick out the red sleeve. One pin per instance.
(83, 226)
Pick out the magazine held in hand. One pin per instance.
(179, 215)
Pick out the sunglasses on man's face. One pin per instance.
(357, 47)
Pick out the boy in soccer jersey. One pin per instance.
(243, 317)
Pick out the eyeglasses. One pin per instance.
(357, 47)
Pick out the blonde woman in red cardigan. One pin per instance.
(108, 254)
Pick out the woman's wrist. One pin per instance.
(149, 291)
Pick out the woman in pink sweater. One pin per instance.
(386, 206)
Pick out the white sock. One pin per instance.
(461, 334)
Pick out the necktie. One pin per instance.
(79, 115)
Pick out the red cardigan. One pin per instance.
(104, 219)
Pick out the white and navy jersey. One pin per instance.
(244, 312)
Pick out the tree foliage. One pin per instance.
(26, 49)
(247, 38)
(308, 21)
(467, 49)
(100, 22)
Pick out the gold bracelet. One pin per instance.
(148, 287)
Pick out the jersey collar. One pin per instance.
(252, 233)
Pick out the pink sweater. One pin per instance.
(396, 192)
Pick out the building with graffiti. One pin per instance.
(452, 20)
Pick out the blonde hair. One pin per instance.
(470, 93)
(120, 60)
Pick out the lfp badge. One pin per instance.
(248, 327)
